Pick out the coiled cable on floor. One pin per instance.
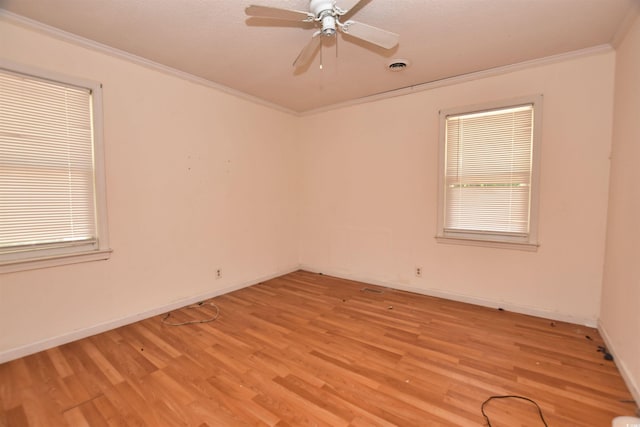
(192, 322)
(511, 397)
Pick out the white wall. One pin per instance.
(620, 312)
(196, 180)
(370, 182)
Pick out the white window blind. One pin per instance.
(488, 174)
(47, 188)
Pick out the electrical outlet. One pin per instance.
(219, 273)
(418, 271)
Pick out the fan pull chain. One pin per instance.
(321, 56)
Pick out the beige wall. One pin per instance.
(620, 312)
(370, 182)
(196, 180)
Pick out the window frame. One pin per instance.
(55, 256)
(527, 242)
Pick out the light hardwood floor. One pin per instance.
(311, 350)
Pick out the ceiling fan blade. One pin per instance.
(309, 51)
(345, 6)
(375, 35)
(277, 13)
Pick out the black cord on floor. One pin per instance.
(511, 397)
(192, 322)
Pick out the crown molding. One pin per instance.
(595, 50)
(138, 60)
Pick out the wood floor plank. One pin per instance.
(306, 349)
(14, 417)
(108, 412)
(40, 409)
(75, 417)
(59, 362)
(13, 378)
(118, 405)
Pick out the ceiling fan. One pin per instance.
(326, 15)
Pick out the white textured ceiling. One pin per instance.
(215, 40)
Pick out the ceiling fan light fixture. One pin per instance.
(328, 25)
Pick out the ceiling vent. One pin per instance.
(398, 65)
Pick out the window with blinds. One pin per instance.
(488, 172)
(48, 200)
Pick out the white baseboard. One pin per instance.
(47, 343)
(634, 387)
(516, 308)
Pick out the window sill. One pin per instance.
(53, 261)
(521, 246)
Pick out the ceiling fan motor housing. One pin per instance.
(324, 12)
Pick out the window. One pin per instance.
(488, 171)
(52, 201)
